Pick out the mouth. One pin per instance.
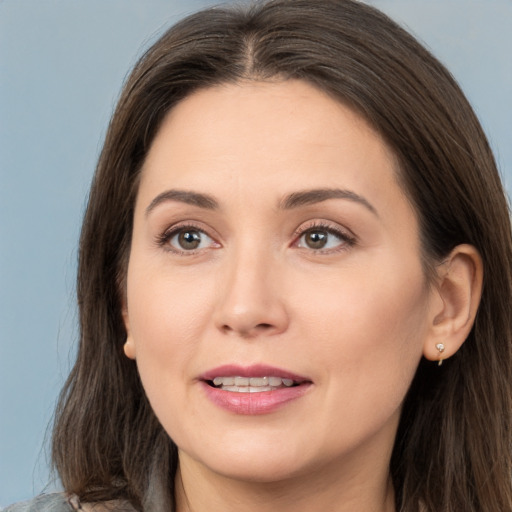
(253, 390)
(252, 379)
(238, 384)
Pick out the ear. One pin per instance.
(129, 345)
(459, 288)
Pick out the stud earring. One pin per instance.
(440, 349)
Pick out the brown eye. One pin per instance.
(189, 239)
(316, 239)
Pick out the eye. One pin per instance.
(186, 239)
(324, 238)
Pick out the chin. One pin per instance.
(257, 465)
(266, 472)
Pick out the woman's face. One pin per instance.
(272, 241)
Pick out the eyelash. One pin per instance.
(347, 239)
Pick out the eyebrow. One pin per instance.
(308, 197)
(184, 196)
(289, 202)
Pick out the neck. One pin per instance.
(333, 489)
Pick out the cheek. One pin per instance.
(368, 345)
(166, 309)
(368, 328)
(166, 317)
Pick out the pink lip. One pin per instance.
(253, 403)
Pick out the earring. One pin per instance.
(440, 349)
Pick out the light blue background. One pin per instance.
(62, 63)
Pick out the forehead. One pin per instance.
(256, 129)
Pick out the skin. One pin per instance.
(354, 317)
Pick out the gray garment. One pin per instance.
(57, 502)
(61, 502)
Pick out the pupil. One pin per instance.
(189, 239)
(316, 239)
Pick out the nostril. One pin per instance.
(264, 326)
(248, 332)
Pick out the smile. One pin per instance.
(253, 390)
(251, 384)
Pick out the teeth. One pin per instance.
(275, 381)
(260, 388)
(251, 384)
(226, 381)
(247, 389)
(258, 381)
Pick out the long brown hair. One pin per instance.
(453, 447)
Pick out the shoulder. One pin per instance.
(60, 502)
(44, 503)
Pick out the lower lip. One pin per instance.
(263, 402)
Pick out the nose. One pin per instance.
(251, 297)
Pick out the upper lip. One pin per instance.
(257, 370)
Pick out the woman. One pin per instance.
(294, 279)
